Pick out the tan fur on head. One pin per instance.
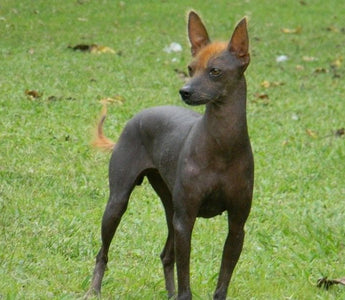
(100, 141)
(207, 52)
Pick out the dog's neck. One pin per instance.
(225, 121)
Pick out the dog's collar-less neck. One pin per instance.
(228, 112)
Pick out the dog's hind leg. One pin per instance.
(127, 167)
(167, 255)
(114, 210)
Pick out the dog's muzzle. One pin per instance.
(186, 92)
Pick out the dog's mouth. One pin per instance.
(192, 102)
(194, 99)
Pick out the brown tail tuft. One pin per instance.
(101, 141)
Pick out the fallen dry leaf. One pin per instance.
(265, 84)
(311, 133)
(82, 47)
(299, 68)
(296, 30)
(327, 283)
(337, 133)
(309, 58)
(261, 98)
(278, 83)
(337, 62)
(268, 84)
(117, 99)
(320, 70)
(33, 94)
(92, 48)
(53, 98)
(340, 132)
(332, 28)
(101, 49)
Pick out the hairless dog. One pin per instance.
(199, 165)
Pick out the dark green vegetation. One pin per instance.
(53, 186)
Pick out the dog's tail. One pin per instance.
(100, 140)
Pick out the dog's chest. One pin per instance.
(207, 188)
(216, 188)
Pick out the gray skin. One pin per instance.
(199, 165)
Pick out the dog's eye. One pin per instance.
(214, 72)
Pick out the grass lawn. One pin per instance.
(53, 186)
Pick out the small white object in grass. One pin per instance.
(295, 117)
(281, 58)
(173, 47)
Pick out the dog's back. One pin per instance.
(160, 130)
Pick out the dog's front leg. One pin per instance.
(231, 253)
(183, 225)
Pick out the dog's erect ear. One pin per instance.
(239, 42)
(197, 33)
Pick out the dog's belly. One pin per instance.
(211, 208)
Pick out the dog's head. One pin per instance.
(216, 66)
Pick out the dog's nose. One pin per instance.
(186, 92)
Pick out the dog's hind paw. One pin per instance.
(92, 294)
